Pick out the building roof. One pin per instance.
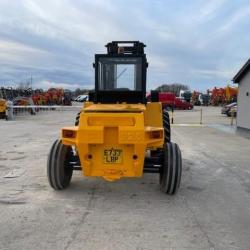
(242, 72)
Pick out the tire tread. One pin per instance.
(57, 176)
(166, 126)
(172, 169)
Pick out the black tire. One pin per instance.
(166, 126)
(77, 119)
(58, 170)
(170, 173)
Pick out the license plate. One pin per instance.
(112, 156)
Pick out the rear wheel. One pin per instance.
(170, 173)
(166, 125)
(59, 171)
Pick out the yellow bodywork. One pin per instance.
(111, 139)
(3, 105)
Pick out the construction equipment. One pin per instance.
(200, 98)
(220, 96)
(3, 104)
(231, 94)
(196, 98)
(117, 133)
(204, 99)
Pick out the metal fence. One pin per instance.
(14, 112)
(199, 116)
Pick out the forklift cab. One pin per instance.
(120, 75)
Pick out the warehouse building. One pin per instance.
(243, 111)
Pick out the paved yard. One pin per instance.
(211, 210)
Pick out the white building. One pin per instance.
(243, 111)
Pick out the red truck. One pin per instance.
(169, 100)
(181, 104)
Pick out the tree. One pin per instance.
(173, 87)
(79, 91)
(23, 85)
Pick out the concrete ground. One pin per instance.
(206, 115)
(210, 211)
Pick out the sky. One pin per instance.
(200, 43)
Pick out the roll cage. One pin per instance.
(120, 75)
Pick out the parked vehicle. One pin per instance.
(181, 104)
(169, 101)
(232, 112)
(205, 99)
(81, 98)
(185, 95)
(227, 108)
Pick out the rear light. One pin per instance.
(69, 134)
(155, 134)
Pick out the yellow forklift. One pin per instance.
(118, 133)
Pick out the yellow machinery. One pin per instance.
(117, 133)
(231, 94)
(3, 106)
